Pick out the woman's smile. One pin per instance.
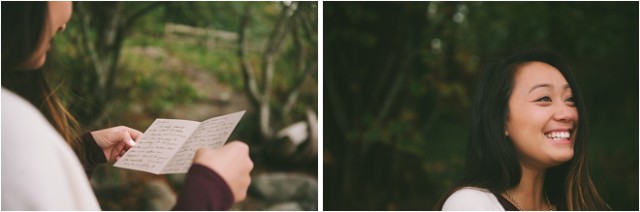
(559, 136)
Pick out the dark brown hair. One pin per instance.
(492, 162)
(23, 28)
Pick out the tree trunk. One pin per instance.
(260, 96)
(110, 22)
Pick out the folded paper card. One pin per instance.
(169, 145)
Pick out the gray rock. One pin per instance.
(161, 196)
(177, 180)
(309, 205)
(285, 206)
(287, 187)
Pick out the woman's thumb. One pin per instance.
(128, 140)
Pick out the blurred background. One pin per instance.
(399, 78)
(128, 63)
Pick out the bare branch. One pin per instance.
(274, 43)
(306, 24)
(247, 70)
(111, 30)
(300, 64)
(134, 17)
(292, 94)
(302, 54)
(302, 51)
(89, 47)
(114, 59)
(279, 30)
(388, 101)
(338, 107)
(402, 64)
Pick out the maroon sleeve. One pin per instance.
(203, 190)
(93, 154)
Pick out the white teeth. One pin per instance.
(558, 135)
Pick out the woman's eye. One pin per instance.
(544, 99)
(570, 100)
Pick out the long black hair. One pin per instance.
(492, 162)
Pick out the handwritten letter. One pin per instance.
(212, 133)
(169, 145)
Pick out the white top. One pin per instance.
(472, 199)
(39, 169)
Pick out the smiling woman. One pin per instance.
(527, 147)
(542, 116)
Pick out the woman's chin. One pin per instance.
(40, 61)
(34, 63)
(561, 156)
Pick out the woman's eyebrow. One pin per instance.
(547, 85)
(541, 86)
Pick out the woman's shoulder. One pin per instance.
(472, 198)
(23, 122)
(41, 171)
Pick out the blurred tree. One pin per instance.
(399, 77)
(295, 20)
(103, 29)
(370, 51)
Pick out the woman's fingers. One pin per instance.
(127, 137)
(135, 134)
(127, 140)
(115, 152)
(115, 141)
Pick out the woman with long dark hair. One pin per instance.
(527, 145)
(39, 136)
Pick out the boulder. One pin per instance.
(279, 188)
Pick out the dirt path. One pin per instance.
(219, 98)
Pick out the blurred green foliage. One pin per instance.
(138, 67)
(399, 77)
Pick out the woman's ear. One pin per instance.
(506, 133)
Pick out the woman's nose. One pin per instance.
(61, 28)
(565, 113)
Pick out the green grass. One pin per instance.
(158, 88)
(222, 63)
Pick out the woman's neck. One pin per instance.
(529, 192)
